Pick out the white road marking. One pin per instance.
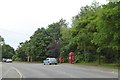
(5, 73)
(15, 70)
(21, 76)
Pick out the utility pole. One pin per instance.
(1, 44)
(0, 53)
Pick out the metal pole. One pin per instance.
(0, 58)
(1, 49)
(0, 53)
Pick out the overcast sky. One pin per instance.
(20, 18)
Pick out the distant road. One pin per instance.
(32, 70)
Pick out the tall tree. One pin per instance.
(108, 30)
(54, 32)
(7, 51)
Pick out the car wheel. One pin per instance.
(55, 63)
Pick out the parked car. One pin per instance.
(9, 61)
(4, 60)
(50, 61)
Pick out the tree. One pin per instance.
(7, 51)
(108, 30)
(54, 31)
(83, 28)
(93, 36)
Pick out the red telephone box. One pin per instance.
(71, 57)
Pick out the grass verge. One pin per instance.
(102, 65)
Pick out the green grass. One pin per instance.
(103, 65)
(33, 62)
(37, 62)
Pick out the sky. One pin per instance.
(19, 19)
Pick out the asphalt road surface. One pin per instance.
(34, 70)
(0, 70)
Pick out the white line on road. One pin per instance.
(21, 76)
(15, 70)
(5, 73)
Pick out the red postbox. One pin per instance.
(71, 57)
(60, 59)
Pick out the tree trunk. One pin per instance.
(99, 60)
(28, 58)
(0, 52)
(84, 48)
(31, 59)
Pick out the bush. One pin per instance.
(89, 57)
(18, 59)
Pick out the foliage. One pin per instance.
(93, 36)
(7, 51)
(43, 43)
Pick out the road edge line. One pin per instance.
(21, 76)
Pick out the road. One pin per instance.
(33, 70)
(0, 70)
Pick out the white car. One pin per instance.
(50, 61)
(9, 61)
(4, 60)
